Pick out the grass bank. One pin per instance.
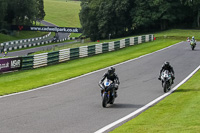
(177, 113)
(62, 13)
(26, 80)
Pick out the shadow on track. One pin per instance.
(186, 90)
(122, 106)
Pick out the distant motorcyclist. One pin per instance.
(188, 39)
(167, 66)
(193, 40)
(111, 75)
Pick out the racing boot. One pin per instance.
(101, 93)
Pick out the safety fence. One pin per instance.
(45, 59)
(27, 43)
(25, 40)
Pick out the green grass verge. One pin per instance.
(26, 80)
(177, 113)
(178, 34)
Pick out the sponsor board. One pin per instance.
(46, 29)
(10, 64)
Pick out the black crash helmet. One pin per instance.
(111, 70)
(166, 63)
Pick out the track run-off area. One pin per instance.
(75, 105)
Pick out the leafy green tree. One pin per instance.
(160, 13)
(20, 12)
(113, 16)
(88, 19)
(100, 18)
(41, 13)
(3, 8)
(194, 6)
(26, 11)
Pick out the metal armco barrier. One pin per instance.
(8, 46)
(83, 51)
(91, 50)
(143, 39)
(53, 57)
(127, 42)
(111, 46)
(135, 40)
(74, 53)
(45, 59)
(117, 45)
(64, 55)
(104, 47)
(17, 42)
(40, 60)
(27, 62)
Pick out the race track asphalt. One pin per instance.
(75, 106)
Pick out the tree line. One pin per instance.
(20, 12)
(101, 18)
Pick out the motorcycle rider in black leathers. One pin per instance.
(167, 66)
(111, 75)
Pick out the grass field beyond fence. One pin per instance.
(62, 13)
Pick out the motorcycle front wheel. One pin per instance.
(104, 100)
(165, 86)
(192, 47)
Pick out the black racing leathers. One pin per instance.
(169, 68)
(112, 77)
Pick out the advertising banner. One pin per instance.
(10, 64)
(46, 29)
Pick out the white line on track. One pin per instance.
(87, 73)
(104, 129)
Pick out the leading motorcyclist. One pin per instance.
(193, 39)
(167, 66)
(111, 75)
